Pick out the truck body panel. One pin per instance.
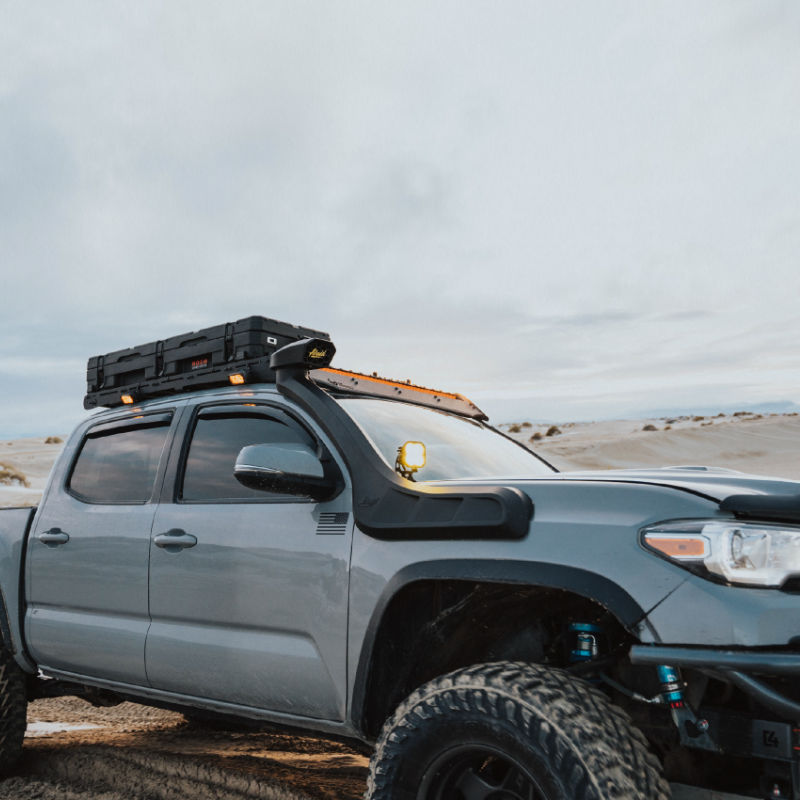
(256, 613)
(87, 608)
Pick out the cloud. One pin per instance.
(553, 196)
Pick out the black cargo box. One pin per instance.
(191, 361)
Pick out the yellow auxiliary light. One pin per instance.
(412, 454)
(410, 458)
(237, 379)
(127, 399)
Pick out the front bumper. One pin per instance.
(735, 666)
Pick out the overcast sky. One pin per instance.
(565, 210)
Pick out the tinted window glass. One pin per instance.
(120, 466)
(216, 443)
(456, 447)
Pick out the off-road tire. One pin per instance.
(565, 734)
(13, 707)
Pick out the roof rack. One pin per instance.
(231, 353)
(239, 353)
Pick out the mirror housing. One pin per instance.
(294, 469)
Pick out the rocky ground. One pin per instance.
(74, 751)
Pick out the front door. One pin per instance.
(87, 559)
(249, 605)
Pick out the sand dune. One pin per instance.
(761, 446)
(33, 458)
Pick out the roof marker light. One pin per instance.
(127, 399)
(237, 379)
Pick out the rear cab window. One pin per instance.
(118, 461)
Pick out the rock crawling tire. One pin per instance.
(512, 730)
(13, 705)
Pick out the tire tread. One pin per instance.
(591, 743)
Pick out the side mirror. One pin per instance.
(284, 468)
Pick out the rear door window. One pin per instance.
(119, 466)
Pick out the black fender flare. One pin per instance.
(6, 638)
(587, 584)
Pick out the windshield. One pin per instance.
(456, 447)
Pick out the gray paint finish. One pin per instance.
(256, 612)
(87, 606)
(714, 483)
(87, 599)
(591, 526)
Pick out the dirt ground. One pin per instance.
(74, 751)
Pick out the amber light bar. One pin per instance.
(372, 386)
(394, 384)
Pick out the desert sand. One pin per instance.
(759, 445)
(130, 752)
(31, 459)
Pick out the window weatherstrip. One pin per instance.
(128, 423)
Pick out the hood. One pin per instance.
(715, 483)
(712, 482)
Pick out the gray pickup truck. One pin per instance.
(364, 558)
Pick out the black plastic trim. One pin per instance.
(144, 420)
(194, 360)
(387, 506)
(590, 585)
(767, 696)
(257, 408)
(771, 507)
(21, 604)
(5, 625)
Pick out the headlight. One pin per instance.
(738, 552)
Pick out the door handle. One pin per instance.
(174, 540)
(53, 537)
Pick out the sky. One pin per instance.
(563, 210)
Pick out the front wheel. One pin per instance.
(512, 731)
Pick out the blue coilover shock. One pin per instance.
(671, 686)
(585, 644)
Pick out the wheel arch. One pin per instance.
(513, 577)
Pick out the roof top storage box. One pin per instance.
(190, 361)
